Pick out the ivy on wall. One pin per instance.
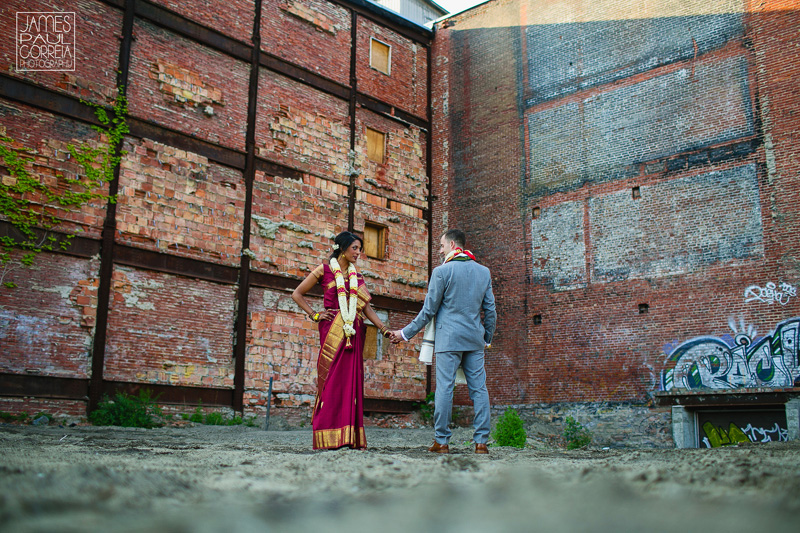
(30, 205)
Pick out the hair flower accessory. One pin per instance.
(335, 246)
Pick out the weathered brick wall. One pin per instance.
(184, 208)
(47, 320)
(407, 86)
(182, 85)
(235, 20)
(313, 34)
(169, 330)
(98, 30)
(174, 201)
(627, 172)
(302, 127)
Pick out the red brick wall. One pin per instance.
(185, 86)
(177, 202)
(98, 30)
(301, 127)
(541, 151)
(45, 138)
(294, 222)
(235, 20)
(314, 34)
(171, 329)
(46, 321)
(407, 85)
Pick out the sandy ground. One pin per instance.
(240, 479)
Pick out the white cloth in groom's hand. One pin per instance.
(427, 349)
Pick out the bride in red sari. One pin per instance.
(338, 416)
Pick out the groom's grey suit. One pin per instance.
(457, 293)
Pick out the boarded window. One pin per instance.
(371, 346)
(374, 240)
(380, 56)
(376, 145)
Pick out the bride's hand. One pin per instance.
(327, 314)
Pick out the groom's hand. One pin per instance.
(396, 336)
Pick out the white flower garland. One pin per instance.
(348, 311)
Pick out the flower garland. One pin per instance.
(348, 310)
(456, 252)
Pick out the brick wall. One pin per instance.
(183, 190)
(182, 85)
(314, 34)
(169, 330)
(97, 37)
(627, 173)
(406, 87)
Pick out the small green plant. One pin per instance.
(250, 421)
(426, 408)
(215, 419)
(509, 430)
(197, 416)
(9, 417)
(128, 411)
(575, 435)
(235, 421)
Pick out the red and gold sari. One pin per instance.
(338, 417)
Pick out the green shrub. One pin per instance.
(509, 430)
(575, 435)
(128, 411)
(215, 419)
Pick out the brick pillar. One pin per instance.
(684, 432)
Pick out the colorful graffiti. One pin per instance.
(713, 363)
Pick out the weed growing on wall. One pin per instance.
(510, 430)
(575, 435)
(31, 206)
(128, 411)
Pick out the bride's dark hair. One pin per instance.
(344, 240)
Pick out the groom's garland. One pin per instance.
(348, 310)
(459, 255)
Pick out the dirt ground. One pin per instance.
(243, 479)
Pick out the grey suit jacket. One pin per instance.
(457, 293)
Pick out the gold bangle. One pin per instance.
(315, 317)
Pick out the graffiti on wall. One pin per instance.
(717, 436)
(725, 427)
(747, 361)
(770, 293)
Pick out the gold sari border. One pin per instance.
(336, 438)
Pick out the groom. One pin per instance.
(458, 291)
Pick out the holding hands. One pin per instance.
(396, 336)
